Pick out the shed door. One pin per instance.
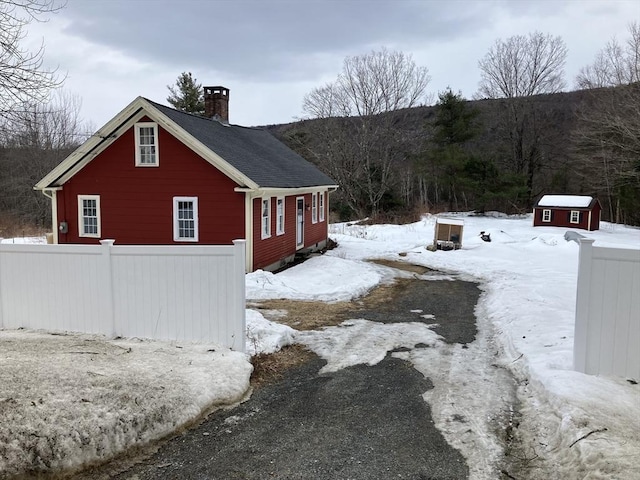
(299, 222)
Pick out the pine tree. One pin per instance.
(454, 126)
(187, 94)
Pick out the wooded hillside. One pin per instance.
(511, 152)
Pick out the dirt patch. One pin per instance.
(268, 368)
(305, 315)
(385, 294)
(313, 315)
(407, 267)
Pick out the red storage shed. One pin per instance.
(573, 211)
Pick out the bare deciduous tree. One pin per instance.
(522, 66)
(615, 64)
(607, 145)
(29, 148)
(23, 77)
(364, 104)
(516, 69)
(607, 138)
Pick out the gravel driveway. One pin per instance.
(361, 422)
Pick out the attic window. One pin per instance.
(146, 144)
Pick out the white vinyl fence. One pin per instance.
(182, 293)
(607, 331)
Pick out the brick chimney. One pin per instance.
(216, 103)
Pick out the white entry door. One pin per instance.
(299, 222)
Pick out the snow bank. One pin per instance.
(324, 278)
(264, 336)
(68, 400)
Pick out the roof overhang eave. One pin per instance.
(69, 166)
(273, 191)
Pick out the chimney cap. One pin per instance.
(216, 103)
(216, 89)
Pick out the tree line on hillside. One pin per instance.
(370, 130)
(519, 139)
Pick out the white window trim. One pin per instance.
(265, 233)
(81, 233)
(575, 213)
(546, 215)
(137, 128)
(280, 217)
(176, 229)
(321, 205)
(314, 207)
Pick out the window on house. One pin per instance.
(185, 219)
(321, 205)
(314, 208)
(575, 216)
(146, 144)
(89, 216)
(280, 216)
(546, 215)
(266, 217)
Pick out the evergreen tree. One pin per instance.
(187, 94)
(467, 174)
(454, 126)
(455, 120)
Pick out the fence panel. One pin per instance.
(183, 293)
(56, 285)
(607, 331)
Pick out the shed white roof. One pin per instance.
(450, 221)
(576, 201)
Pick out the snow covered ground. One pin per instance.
(76, 398)
(526, 311)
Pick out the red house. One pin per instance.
(573, 211)
(155, 175)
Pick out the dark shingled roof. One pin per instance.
(253, 151)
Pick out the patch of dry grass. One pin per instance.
(407, 267)
(11, 227)
(400, 217)
(268, 368)
(306, 315)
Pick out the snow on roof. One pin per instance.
(450, 221)
(576, 201)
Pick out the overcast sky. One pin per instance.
(270, 53)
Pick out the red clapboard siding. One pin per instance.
(560, 217)
(270, 250)
(137, 202)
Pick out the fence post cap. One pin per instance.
(107, 242)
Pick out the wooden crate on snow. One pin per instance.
(447, 234)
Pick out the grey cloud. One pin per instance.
(272, 40)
